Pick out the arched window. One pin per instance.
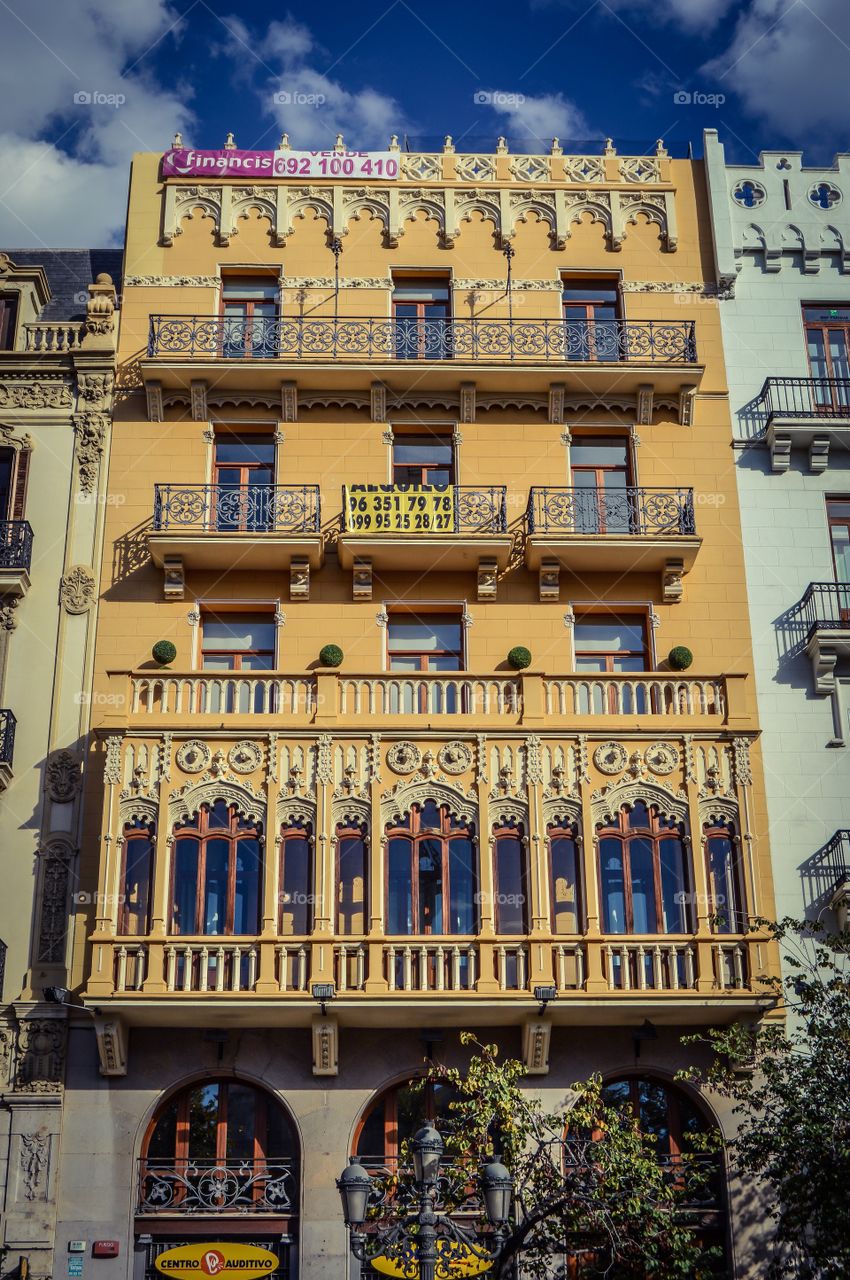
(215, 885)
(510, 878)
(296, 879)
(431, 873)
(564, 877)
(395, 1117)
(136, 878)
(220, 1147)
(723, 873)
(352, 879)
(643, 878)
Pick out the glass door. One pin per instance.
(591, 312)
(249, 308)
(600, 472)
(828, 346)
(421, 315)
(838, 515)
(243, 498)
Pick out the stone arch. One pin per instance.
(545, 213)
(295, 811)
(511, 809)
(723, 807)
(399, 801)
(137, 809)
(184, 210)
(606, 806)
(186, 802)
(358, 811)
(559, 807)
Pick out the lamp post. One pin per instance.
(424, 1240)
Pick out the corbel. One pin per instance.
(173, 578)
(289, 401)
(361, 588)
(549, 581)
(488, 579)
(153, 395)
(198, 389)
(467, 402)
(299, 580)
(645, 393)
(819, 454)
(672, 584)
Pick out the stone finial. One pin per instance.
(609, 149)
(501, 146)
(178, 141)
(229, 143)
(283, 145)
(556, 149)
(660, 149)
(100, 314)
(448, 145)
(394, 142)
(339, 145)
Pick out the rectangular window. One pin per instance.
(7, 466)
(244, 468)
(827, 331)
(422, 311)
(838, 515)
(238, 641)
(610, 642)
(591, 311)
(8, 318)
(511, 885)
(430, 642)
(249, 310)
(600, 470)
(424, 458)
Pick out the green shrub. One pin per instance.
(330, 655)
(519, 657)
(164, 651)
(680, 657)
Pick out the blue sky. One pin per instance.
(85, 83)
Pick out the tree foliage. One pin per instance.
(586, 1178)
(790, 1084)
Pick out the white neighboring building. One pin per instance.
(782, 244)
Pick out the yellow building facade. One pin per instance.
(431, 420)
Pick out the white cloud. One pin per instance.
(64, 164)
(693, 15)
(545, 117)
(789, 63)
(306, 101)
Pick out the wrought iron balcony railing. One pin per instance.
(255, 508)
(837, 856)
(8, 724)
(825, 606)
(806, 398)
(311, 338)
(424, 509)
(217, 1186)
(618, 512)
(15, 544)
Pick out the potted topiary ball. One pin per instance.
(680, 657)
(164, 651)
(519, 657)
(330, 655)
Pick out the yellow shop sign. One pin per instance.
(408, 508)
(453, 1259)
(219, 1258)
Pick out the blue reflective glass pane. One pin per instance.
(184, 908)
(462, 883)
(613, 886)
(246, 904)
(399, 887)
(215, 886)
(645, 919)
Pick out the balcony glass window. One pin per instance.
(591, 310)
(510, 880)
(395, 1117)
(609, 642)
(421, 315)
(238, 641)
(244, 468)
(296, 880)
(725, 882)
(431, 642)
(642, 873)
(423, 459)
(564, 878)
(431, 874)
(216, 874)
(136, 879)
(7, 468)
(8, 318)
(600, 473)
(352, 881)
(249, 309)
(838, 514)
(828, 346)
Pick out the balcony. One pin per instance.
(8, 724)
(152, 701)
(416, 527)
(255, 527)
(15, 557)
(837, 866)
(805, 413)
(824, 617)
(173, 981)
(210, 1187)
(613, 530)
(354, 350)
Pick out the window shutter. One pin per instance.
(19, 494)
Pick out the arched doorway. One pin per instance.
(394, 1117)
(219, 1163)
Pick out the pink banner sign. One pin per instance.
(217, 164)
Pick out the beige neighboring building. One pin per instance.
(57, 361)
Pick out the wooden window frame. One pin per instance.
(569, 832)
(504, 831)
(737, 920)
(654, 833)
(607, 655)
(202, 833)
(351, 831)
(288, 834)
(444, 434)
(415, 832)
(133, 833)
(824, 327)
(235, 654)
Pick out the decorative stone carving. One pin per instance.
(584, 169)
(289, 401)
(299, 579)
(153, 395)
(40, 1055)
(324, 759)
(173, 282)
(213, 786)
(173, 578)
(741, 761)
(193, 756)
(549, 581)
(454, 757)
(404, 757)
(536, 1039)
(245, 757)
(639, 169)
(62, 777)
(661, 757)
(672, 581)
(378, 402)
(467, 402)
(610, 757)
(111, 1046)
(198, 391)
(53, 919)
(35, 1151)
(361, 579)
(325, 1046)
(112, 764)
(95, 389)
(476, 168)
(77, 588)
(533, 758)
(397, 802)
(488, 579)
(422, 168)
(606, 804)
(90, 428)
(645, 394)
(46, 393)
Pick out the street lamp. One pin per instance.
(423, 1240)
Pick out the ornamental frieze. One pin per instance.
(76, 589)
(43, 393)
